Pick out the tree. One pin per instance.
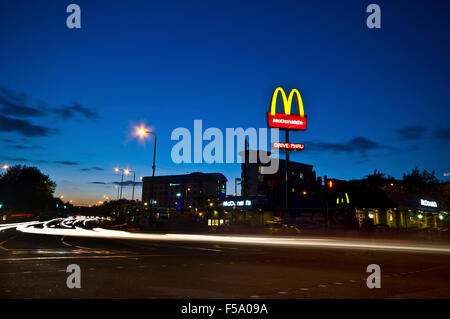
(417, 180)
(25, 188)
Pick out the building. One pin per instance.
(414, 211)
(302, 181)
(388, 209)
(188, 192)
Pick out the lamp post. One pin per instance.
(134, 181)
(126, 172)
(117, 169)
(236, 180)
(142, 133)
(185, 201)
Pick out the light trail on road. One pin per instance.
(252, 240)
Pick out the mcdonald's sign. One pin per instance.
(286, 120)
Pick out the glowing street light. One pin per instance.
(5, 167)
(142, 132)
(126, 172)
(118, 169)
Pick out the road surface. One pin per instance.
(34, 260)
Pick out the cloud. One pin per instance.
(358, 144)
(26, 160)
(25, 147)
(93, 168)
(69, 112)
(24, 127)
(14, 104)
(14, 108)
(127, 183)
(443, 134)
(65, 162)
(124, 184)
(7, 140)
(411, 132)
(19, 160)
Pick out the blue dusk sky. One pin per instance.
(375, 98)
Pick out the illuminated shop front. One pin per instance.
(406, 212)
(238, 210)
(417, 211)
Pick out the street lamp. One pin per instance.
(117, 169)
(142, 133)
(127, 171)
(236, 180)
(5, 167)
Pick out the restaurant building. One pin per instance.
(394, 210)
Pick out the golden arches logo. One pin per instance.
(287, 102)
(287, 120)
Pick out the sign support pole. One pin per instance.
(286, 171)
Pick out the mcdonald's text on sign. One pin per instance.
(289, 146)
(287, 120)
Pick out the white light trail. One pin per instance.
(292, 242)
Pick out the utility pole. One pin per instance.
(121, 183)
(153, 175)
(236, 180)
(154, 156)
(244, 182)
(134, 179)
(286, 166)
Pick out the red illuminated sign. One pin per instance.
(289, 146)
(287, 120)
(290, 122)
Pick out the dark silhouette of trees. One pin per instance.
(25, 188)
(415, 179)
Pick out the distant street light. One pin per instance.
(5, 167)
(117, 169)
(127, 171)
